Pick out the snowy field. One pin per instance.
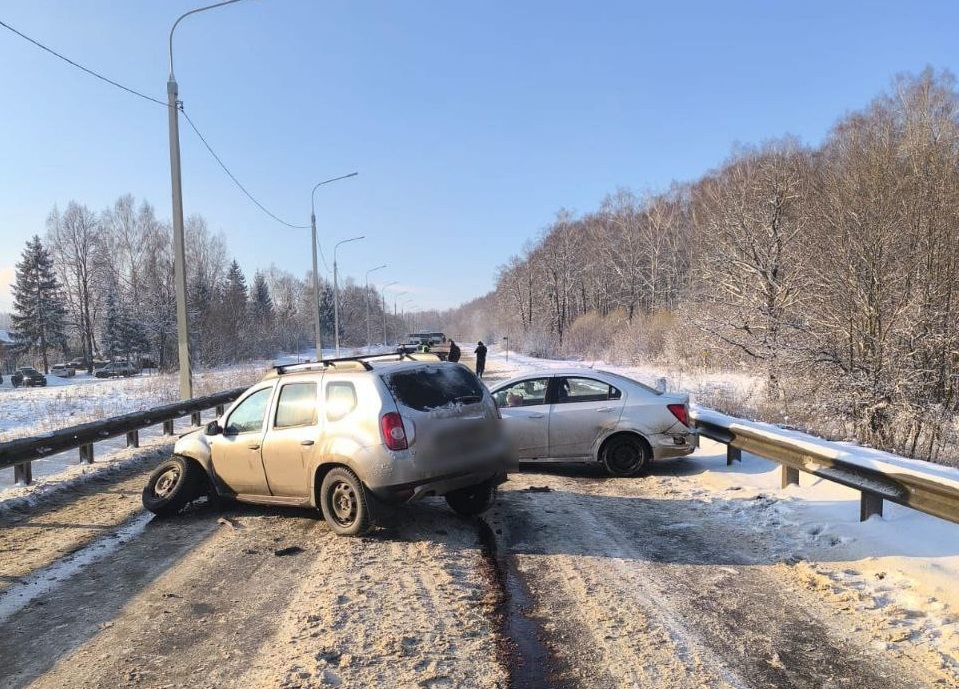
(898, 572)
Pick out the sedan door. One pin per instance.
(236, 452)
(583, 410)
(525, 412)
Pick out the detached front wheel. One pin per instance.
(173, 484)
(472, 500)
(345, 504)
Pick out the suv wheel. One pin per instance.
(472, 500)
(345, 504)
(172, 485)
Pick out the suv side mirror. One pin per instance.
(213, 428)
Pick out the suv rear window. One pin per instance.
(429, 388)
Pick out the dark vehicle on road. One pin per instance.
(345, 436)
(28, 376)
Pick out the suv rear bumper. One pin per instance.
(436, 485)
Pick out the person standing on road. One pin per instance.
(480, 352)
(454, 354)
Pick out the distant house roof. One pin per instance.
(6, 338)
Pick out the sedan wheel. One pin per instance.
(624, 455)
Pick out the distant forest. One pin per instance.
(110, 294)
(831, 270)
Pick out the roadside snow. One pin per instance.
(900, 570)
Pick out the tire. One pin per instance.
(345, 505)
(16, 383)
(173, 484)
(625, 455)
(472, 500)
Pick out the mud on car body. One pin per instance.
(344, 435)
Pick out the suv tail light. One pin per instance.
(680, 412)
(394, 434)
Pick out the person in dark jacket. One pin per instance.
(454, 354)
(480, 352)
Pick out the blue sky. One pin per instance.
(470, 124)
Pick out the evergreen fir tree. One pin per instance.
(261, 306)
(38, 312)
(112, 335)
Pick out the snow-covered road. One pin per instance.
(699, 575)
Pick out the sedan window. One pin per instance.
(525, 393)
(249, 415)
(585, 390)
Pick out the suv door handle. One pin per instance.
(254, 446)
(306, 442)
(535, 416)
(602, 409)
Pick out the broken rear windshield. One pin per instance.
(430, 388)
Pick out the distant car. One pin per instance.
(63, 370)
(115, 369)
(28, 376)
(585, 415)
(77, 363)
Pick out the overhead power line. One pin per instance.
(235, 180)
(81, 67)
(160, 103)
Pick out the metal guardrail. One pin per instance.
(21, 452)
(794, 455)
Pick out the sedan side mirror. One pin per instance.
(213, 428)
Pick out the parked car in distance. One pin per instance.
(585, 415)
(345, 436)
(63, 370)
(28, 376)
(115, 369)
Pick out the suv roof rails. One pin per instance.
(359, 361)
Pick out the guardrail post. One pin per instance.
(219, 410)
(870, 504)
(23, 473)
(86, 454)
(133, 438)
(733, 454)
(790, 476)
(195, 418)
(168, 427)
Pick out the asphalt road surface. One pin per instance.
(571, 580)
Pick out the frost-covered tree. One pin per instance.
(38, 312)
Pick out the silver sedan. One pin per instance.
(585, 415)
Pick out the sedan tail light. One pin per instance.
(394, 434)
(680, 412)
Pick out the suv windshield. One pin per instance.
(424, 389)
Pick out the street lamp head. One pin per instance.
(320, 184)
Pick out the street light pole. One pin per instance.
(316, 276)
(369, 337)
(179, 258)
(336, 295)
(383, 310)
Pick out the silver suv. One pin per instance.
(345, 435)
